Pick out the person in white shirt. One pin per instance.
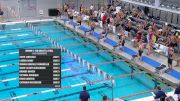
(95, 13)
(91, 7)
(118, 8)
(102, 14)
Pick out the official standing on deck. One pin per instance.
(84, 95)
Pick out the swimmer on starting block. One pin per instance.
(104, 33)
(92, 27)
(79, 19)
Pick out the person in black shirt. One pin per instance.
(84, 95)
(177, 91)
(160, 94)
(108, 20)
(1, 15)
(105, 98)
(1, 12)
(128, 27)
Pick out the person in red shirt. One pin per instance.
(104, 19)
(138, 38)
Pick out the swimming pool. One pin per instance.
(19, 36)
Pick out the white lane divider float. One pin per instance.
(1, 37)
(13, 53)
(30, 41)
(65, 70)
(6, 44)
(1, 66)
(81, 84)
(9, 53)
(46, 91)
(21, 96)
(7, 80)
(16, 29)
(22, 35)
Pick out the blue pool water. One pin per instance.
(19, 36)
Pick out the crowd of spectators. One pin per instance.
(135, 25)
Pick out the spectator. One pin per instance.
(111, 20)
(160, 94)
(128, 27)
(168, 41)
(144, 40)
(166, 29)
(92, 7)
(1, 15)
(173, 41)
(59, 12)
(1, 12)
(140, 27)
(140, 14)
(154, 26)
(104, 18)
(145, 25)
(170, 98)
(95, 15)
(80, 8)
(177, 90)
(84, 95)
(157, 35)
(105, 98)
(137, 39)
(177, 50)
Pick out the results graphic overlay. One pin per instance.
(40, 68)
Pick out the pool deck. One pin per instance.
(141, 65)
